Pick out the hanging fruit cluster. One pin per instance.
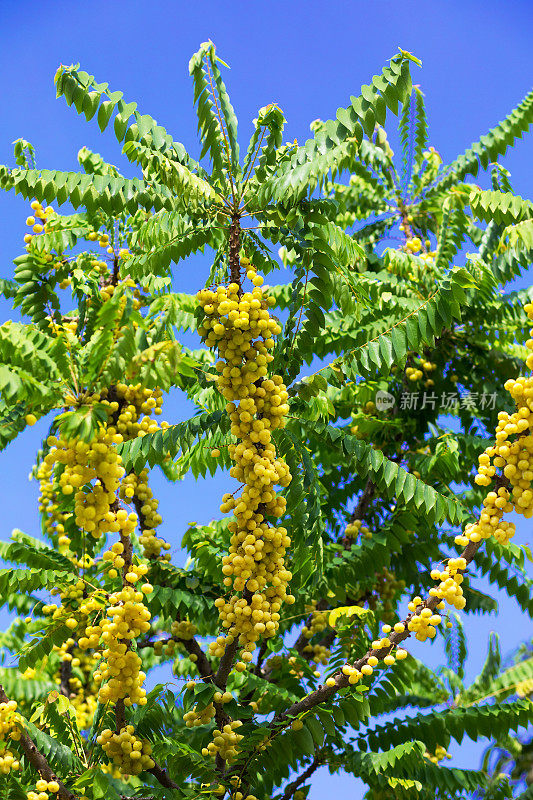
(10, 728)
(88, 479)
(135, 488)
(92, 471)
(240, 327)
(356, 527)
(44, 790)
(131, 754)
(38, 220)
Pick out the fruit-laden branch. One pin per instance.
(226, 662)
(38, 760)
(341, 680)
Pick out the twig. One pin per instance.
(361, 508)
(293, 786)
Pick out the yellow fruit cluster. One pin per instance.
(353, 529)
(449, 588)
(10, 721)
(8, 762)
(317, 653)
(423, 623)
(417, 372)
(225, 742)
(114, 558)
(37, 221)
(222, 697)
(83, 693)
(121, 676)
(413, 245)
(317, 623)
(239, 325)
(44, 789)
(414, 374)
(108, 290)
(54, 519)
(439, 755)
(135, 488)
(134, 573)
(131, 754)
(103, 240)
(183, 629)
(515, 458)
(195, 718)
(93, 472)
(84, 463)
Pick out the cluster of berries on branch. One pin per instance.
(10, 729)
(238, 324)
(43, 791)
(131, 754)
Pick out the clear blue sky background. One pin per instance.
(306, 56)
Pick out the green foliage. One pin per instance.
(379, 485)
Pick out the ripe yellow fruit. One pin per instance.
(239, 325)
(31, 419)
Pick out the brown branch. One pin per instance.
(37, 759)
(193, 648)
(325, 692)
(234, 247)
(361, 508)
(116, 267)
(120, 715)
(260, 658)
(226, 663)
(202, 663)
(161, 775)
(294, 785)
(65, 674)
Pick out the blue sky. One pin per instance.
(309, 57)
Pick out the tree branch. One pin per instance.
(161, 775)
(325, 692)
(294, 785)
(226, 663)
(38, 760)
(361, 508)
(203, 664)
